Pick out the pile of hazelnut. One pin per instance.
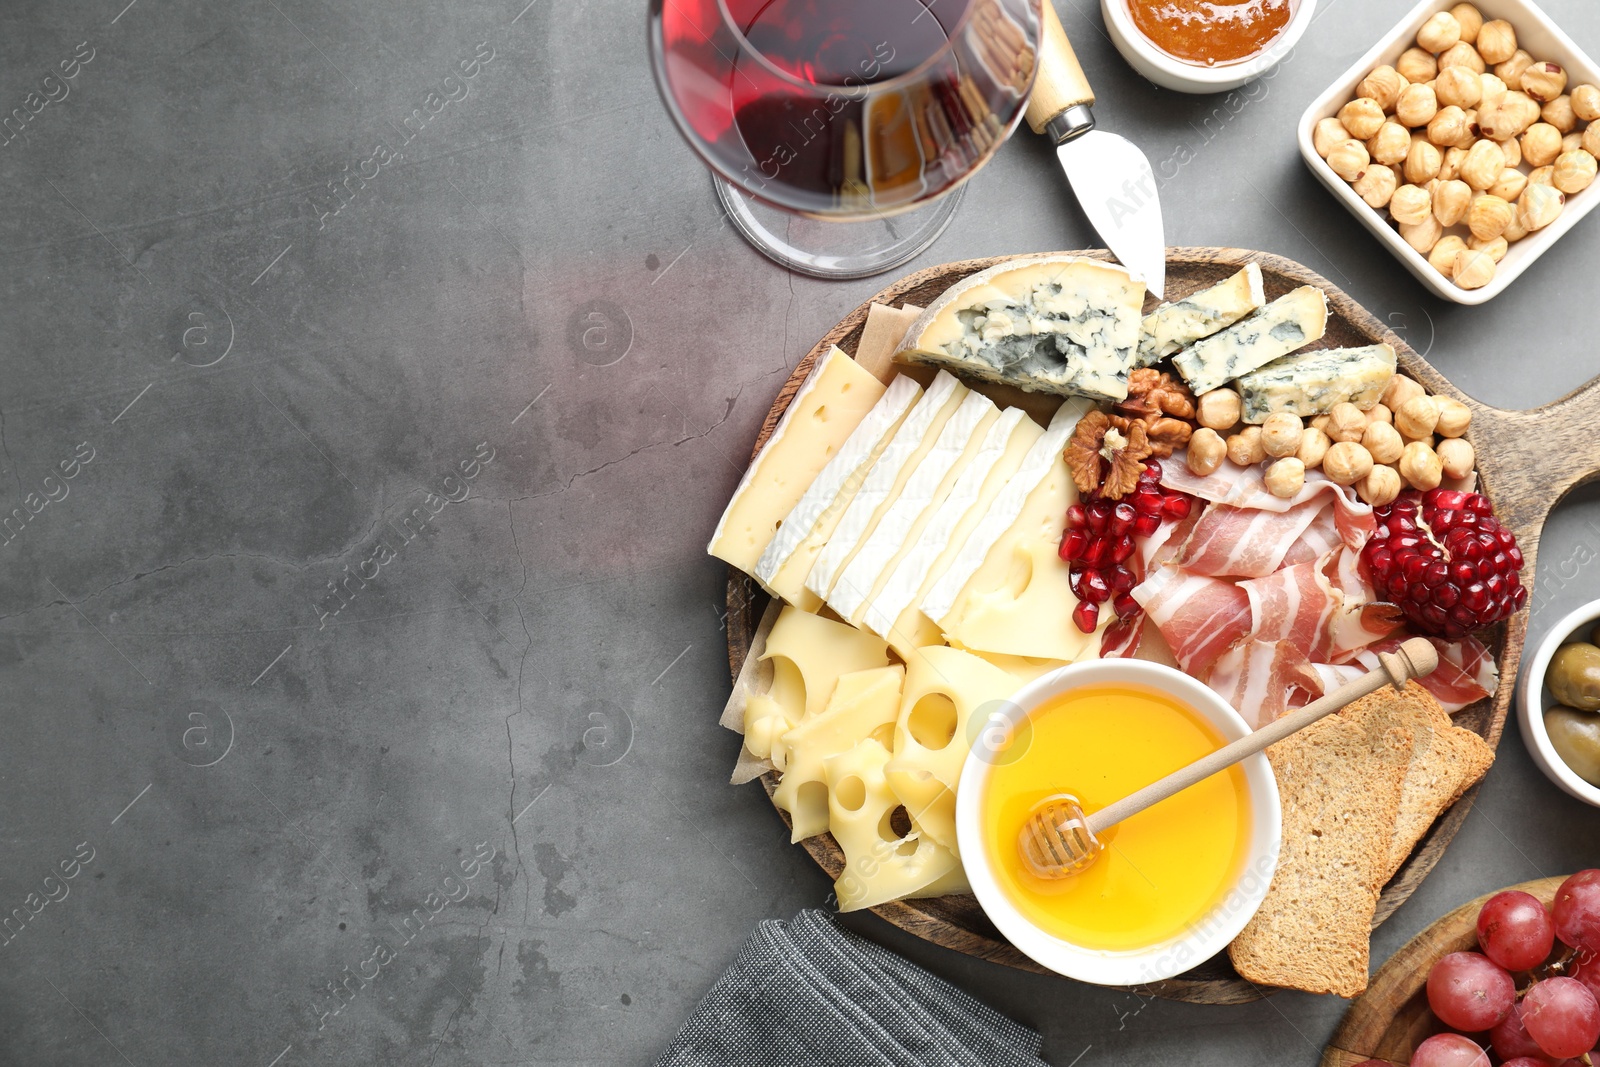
(1441, 138)
(1406, 439)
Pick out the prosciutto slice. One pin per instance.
(1466, 673)
(1264, 679)
(1200, 617)
(1246, 487)
(1247, 543)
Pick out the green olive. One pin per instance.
(1576, 737)
(1574, 676)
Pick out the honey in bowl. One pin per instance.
(1163, 869)
(1212, 33)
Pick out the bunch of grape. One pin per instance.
(1553, 1019)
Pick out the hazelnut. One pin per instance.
(1541, 144)
(1424, 235)
(1383, 441)
(1572, 142)
(1489, 216)
(1280, 434)
(1411, 204)
(1347, 462)
(1469, 138)
(1508, 117)
(1559, 113)
(1544, 81)
(1497, 41)
(1493, 89)
(1391, 144)
(1399, 390)
(1422, 161)
(1495, 249)
(1462, 55)
(1458, 87)
(1539, 206)
(1376, 185)
(1443, 256)
(1591, 139)
(1450, 202)
(1450, 165)
(1349, 159)
(1439, 32)
(1420, 466)
(1362, 117)
(1244, 447)
(1515, 232)
(1511, 70)
(1457, 457)
(1513, 150)
(1509, 185)
(1473, 270)
(1381, 486)
(1448, 126)
(1320, 422)
(1586, 102)
(1346, 422)
(1415, 65)
(1219, 409)
(1417, 417)
(1383, 85)
(1454, 417)
(1483, 165)
(1285, 477)
(1329, 132)
(1545, 175)
(1314, 444)
(1575, 172)
(1416, 105)
(1206, 452)
(1380, 413)
(1470, 21)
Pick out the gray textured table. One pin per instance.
(378, 560)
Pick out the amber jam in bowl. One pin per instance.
(1205, 46)
(1176, 882)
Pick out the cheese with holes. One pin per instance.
(806, 654)
(958, 444)
(947, 698)
(1050, 324)
(894, 613)
(913, 440)
(1286, 325)
(834, 399)
(789, 556)
(864, 704)
(879, 864)
(1173, 327)
(1312, 383)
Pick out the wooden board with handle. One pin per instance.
(1528, 461)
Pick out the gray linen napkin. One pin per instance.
(807, 992)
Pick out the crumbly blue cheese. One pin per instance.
(1054, 324)
(1173, 327)
(1286, 325)
(1311, 384)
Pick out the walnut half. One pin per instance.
(1106, 454)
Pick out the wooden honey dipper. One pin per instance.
(1058, 840)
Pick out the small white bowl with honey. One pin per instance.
(1175, 882)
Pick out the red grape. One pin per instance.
(1577, 911)
(1586, 969)
(1468, 991)
(1562, 1016)
(1449, 1050)
(1510, 1038)
(1515, 930)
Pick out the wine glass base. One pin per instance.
(836, 250)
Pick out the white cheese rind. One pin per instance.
(1311, 384)
(1286, 325)
(830, 492)
(1061, 325)
(1173, 327)
(920, 492)
(884, 480)
(1005, 508)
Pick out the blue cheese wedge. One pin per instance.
(1171, 328)
(1311, 384)
(1060, 325)
(1286, 325)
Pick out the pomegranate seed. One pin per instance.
(1122, 517)
(1178, 507)
(1125, 606)
(1145, 525)
(1122, 579)
(1095, 554)
(1098, 520)
(1149, 503)
(1412, 567)
(1519, 598)
(1122, 549)
(1086, 616)
(1073, 544)
(1075, 580)
(1475, 597)
(1095, 589)
(1447, 596)
(1152, 468)
(1076, 516)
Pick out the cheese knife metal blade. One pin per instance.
(1110, 175)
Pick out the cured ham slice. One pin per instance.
(1246, 487)
(1200, 617)
(1263, 679)
(1250, 543)
(1466, 673)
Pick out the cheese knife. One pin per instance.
(1110, 175)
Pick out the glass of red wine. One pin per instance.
(839, 132)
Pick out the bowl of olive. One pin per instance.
(1559, 704)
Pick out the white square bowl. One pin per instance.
(1545, 41)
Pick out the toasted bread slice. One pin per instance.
(1339, 784)
(1446, 760)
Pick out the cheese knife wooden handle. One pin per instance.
(1060, 84)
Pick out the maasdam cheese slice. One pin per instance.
(864, 704)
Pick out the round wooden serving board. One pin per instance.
(1392, 1017)
(1527, 460)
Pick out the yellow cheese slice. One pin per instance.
(864, 704)
(807, 654)
(1018, 601)
(879, 864)
(950, 884)
(1023, 668)
(834, 399)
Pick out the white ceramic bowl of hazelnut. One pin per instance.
(1466, 141)
(1536, 695)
